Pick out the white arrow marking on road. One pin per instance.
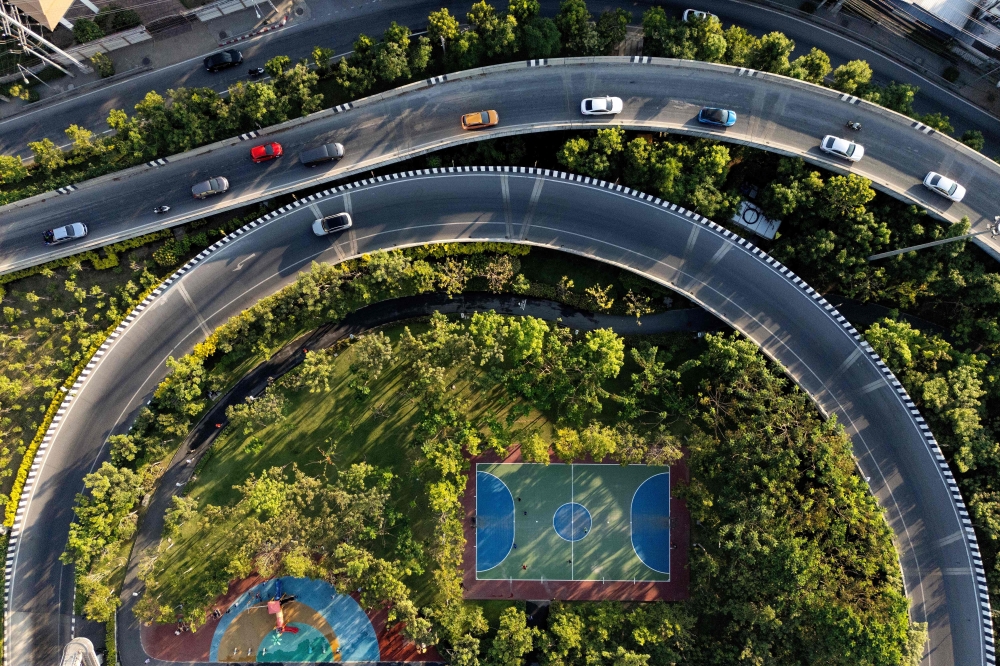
(240, 265)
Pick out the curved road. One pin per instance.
(724, 274)
(335, 26)
(775, 113)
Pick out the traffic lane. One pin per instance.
(429, 117)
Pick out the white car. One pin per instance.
(842, 148)
(63, 234)
(946, 187)
(601, 106)
(331, 223)
(697, 13)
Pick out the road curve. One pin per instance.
(726, 275)
(776, 113)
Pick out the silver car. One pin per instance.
(946, 187)
(215, 185)
(63, 234)
(332, 223)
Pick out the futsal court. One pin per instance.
(557, 522)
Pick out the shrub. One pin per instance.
(103, 64)
(23, 92)
(974, 139)
(85, 30)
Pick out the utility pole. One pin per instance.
(9, 16)
(993, 230)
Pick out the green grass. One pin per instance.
(378, 430)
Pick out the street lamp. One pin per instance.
(993, 230)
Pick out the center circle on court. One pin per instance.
(572, 521)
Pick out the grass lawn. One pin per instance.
(378, 430)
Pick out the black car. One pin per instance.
(223, 60)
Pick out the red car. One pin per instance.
(268, 151)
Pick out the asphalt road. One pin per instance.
(723, 274)
(335, 26)
(775, 114)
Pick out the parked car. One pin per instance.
(63, 234)
(697, 13)
(223, 60)
(267, 152)
(601, 106)
(842, 148)
(480, 120)
(721, 117)
(325, 153)
(205, 188)
(946, 187)
(331, 223)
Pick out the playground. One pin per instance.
(574, 522)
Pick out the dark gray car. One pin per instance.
(216, 185)
(325, 153)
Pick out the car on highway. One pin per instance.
(223, 60)
(698, 14)
(325, 153)
(480, 120)
(215, 185)
(720, 117)
(266, 152)
(601, 106)
(842, 148)
(63, 234)
(331, 223)
(946, 187)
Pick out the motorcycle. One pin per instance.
(854, 125)
(161, 209)
(256, 72)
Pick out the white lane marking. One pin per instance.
(505, 193)
(536, 193)
(194, 308)
(239, 266)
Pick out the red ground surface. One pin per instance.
(675, 590)
(161, 642)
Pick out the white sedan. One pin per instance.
(842, 148)
(601, 106)
(697, 13)
(946, 187)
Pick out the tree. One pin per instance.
(322, 56)
(938, 121)
(254, 104)
(741, 44)
(296, 86)
(442, 27)
(637, 305)
(598, 441)
(601, 297)
(540, 38)
(420, 55)
(852, 76)
(663, 36)
(372, 353)
(567, 445)
(579, 38)
(104, 65)
(772, 52)
(972, 138)
(612, 26)
(595, 158)
(513, 640)
(48, 156)
(255, 414)
(276, 65)
(499, 272)
(535, 449)
(812, 67)
(85, 30)
(496, 33)
(318, 369)
(83, 143)
(524, 11)
(466, 51)
(895, 96)
(12, 169)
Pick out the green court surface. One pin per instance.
(584, 522)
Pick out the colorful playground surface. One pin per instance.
(319, 625)
(572, 522)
